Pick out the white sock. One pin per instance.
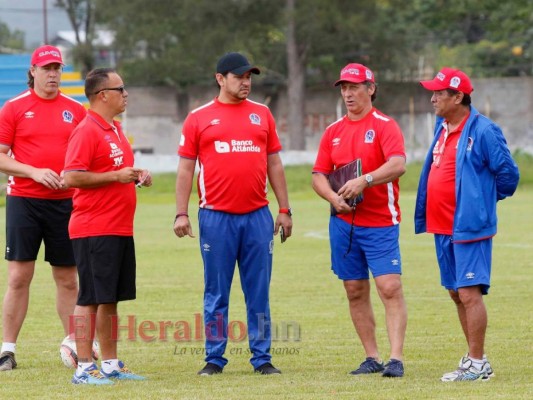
(477, 363)
(6, 346)
(82, 366)
(109, 366)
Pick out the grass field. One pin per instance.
(304, 294)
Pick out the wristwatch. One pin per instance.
(286, 211)
(369, 179)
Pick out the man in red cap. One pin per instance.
(467, 170)
(367, 134)
(34, 130)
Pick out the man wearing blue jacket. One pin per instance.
(467, 170)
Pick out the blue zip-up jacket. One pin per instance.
(485, 173)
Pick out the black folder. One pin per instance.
(341, 175)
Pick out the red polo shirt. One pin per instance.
(441, 182)
(106, 210)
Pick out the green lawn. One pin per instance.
(305, 295)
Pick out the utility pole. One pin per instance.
(45, 23)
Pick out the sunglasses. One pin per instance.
(119, 89)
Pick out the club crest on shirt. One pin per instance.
(369, 136)
(255, 119)
(68, 117)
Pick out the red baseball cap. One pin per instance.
(355, 73)
(449, 78)
(45, 55)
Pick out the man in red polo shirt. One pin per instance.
(99, 164)
(34, 130)
(366, 238)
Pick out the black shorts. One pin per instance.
(30, 221)
(106, 269)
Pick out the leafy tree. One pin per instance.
(81, 14)
(306, 42)
(10, 41)
(484, 37)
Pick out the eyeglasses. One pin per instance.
(119, 89)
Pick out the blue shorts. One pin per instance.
(374, 249)
(464, 264)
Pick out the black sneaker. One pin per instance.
(267, 369)
(7, 361)
(393, 369)
(369, 366)
(210, 369)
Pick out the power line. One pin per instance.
(30, 10)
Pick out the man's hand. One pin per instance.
(128, 174)
(47, 177)
(283, 221)
(144, 178)
(352, 188)
(341, 206)
(182, 226)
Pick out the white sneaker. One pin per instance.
(467, 372)
(463, 363)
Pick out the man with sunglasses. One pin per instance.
(99, 164)
(34, 130)
(467, 170)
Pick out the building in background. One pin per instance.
(104, 54)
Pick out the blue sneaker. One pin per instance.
(123, 374)
(90, 376)
(369, 366)
(393, 369)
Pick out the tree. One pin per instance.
(177, 43)
(81, 14)
(303, 43)
(296, 63)
(484, 37)
(10, 41)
